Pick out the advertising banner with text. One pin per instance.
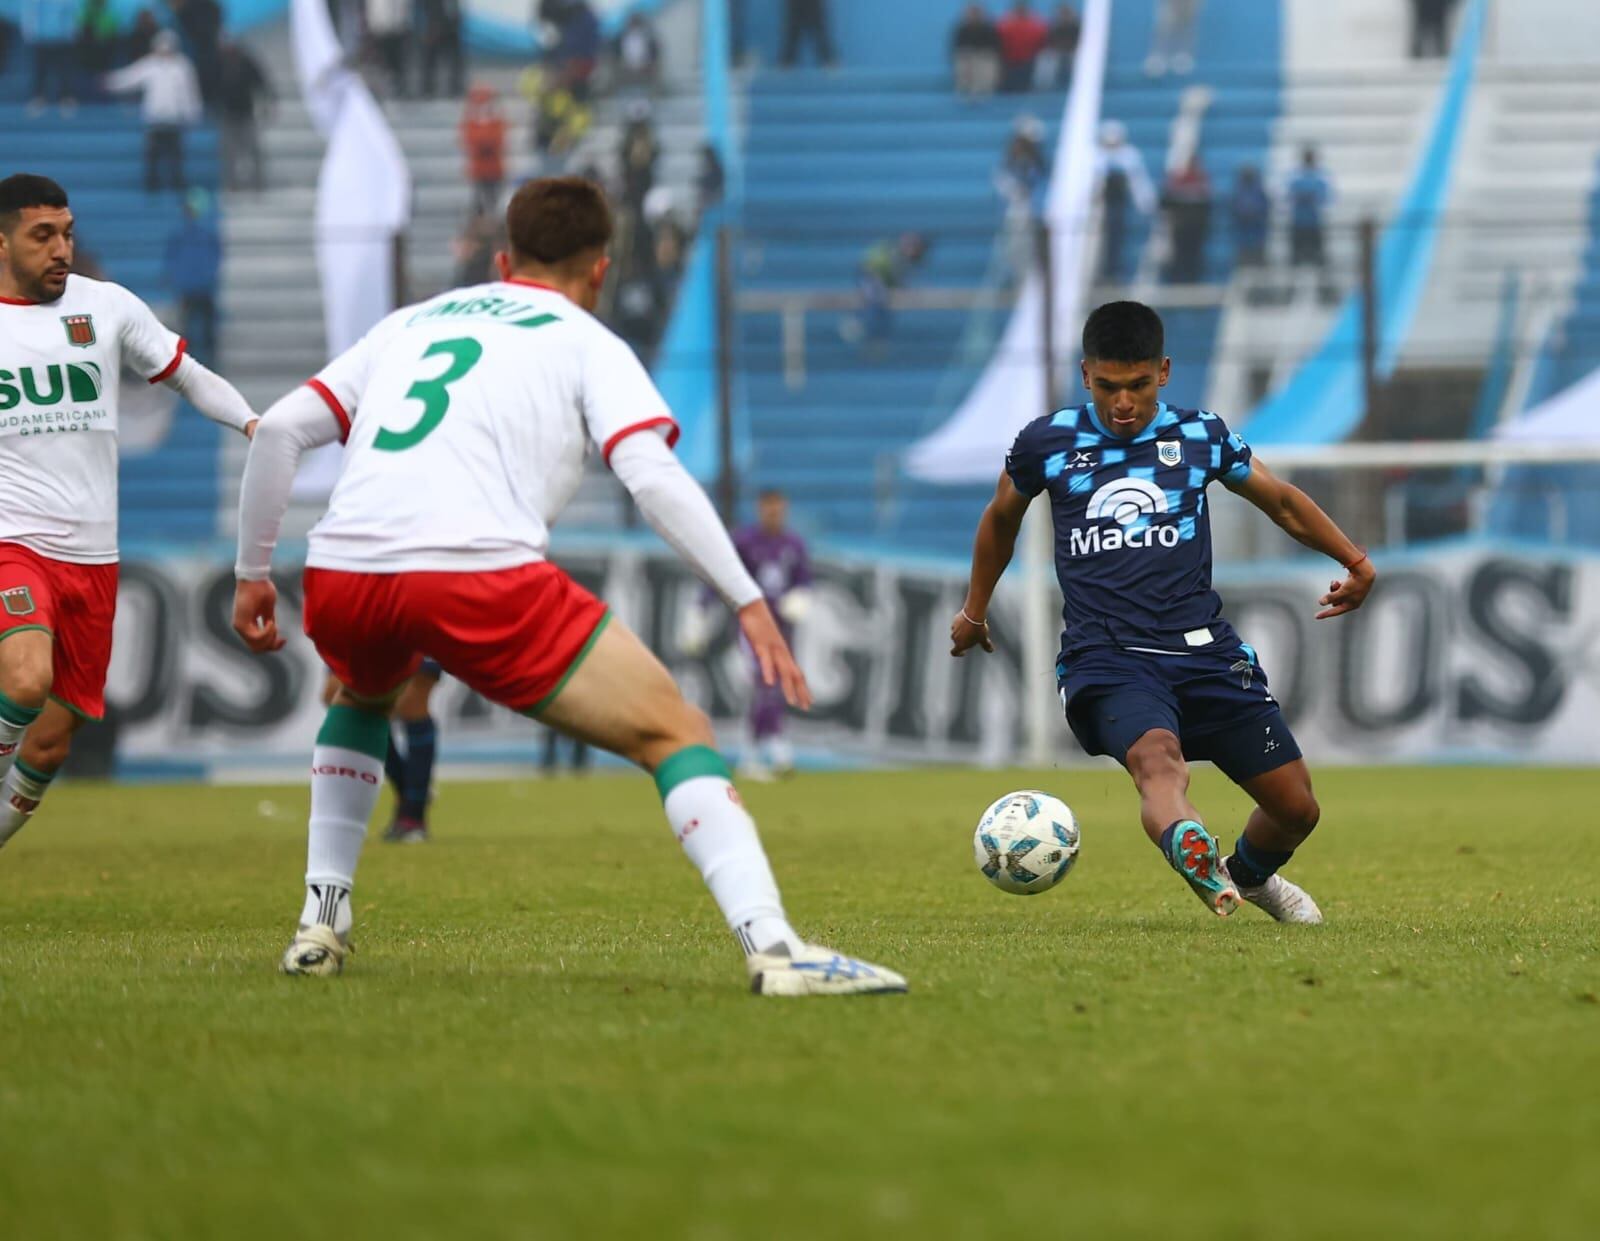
(1466, 654)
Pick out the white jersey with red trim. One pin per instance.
(60, 364)
(467, 421)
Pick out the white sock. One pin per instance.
(720, 838)
(344, 789)
(20, 794)
(328, 904)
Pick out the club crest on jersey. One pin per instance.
(1169, 452)
(18, 601)
(80, 330)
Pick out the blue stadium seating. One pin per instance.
(838, 160)
(1575, 351)
(171, 492)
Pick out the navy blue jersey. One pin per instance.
(1133, 540)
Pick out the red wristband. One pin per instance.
(1355, 562)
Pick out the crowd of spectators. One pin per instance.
(1189, 205)
(1019, 52)
(81, 51)
(575, 73)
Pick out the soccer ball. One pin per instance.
(1026, 842)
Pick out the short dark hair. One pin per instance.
(556, 219)
(24, 189)
(1124, 332)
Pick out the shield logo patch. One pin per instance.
(1169, 452)
(18, 601)
(80, 329)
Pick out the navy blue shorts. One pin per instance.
(1218, 705)
(430, 668)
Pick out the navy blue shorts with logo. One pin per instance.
(1217, 703)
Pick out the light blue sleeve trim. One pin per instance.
(1237, 472)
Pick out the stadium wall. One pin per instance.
(1470, 652)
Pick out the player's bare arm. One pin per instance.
(1302, 519)
(992, 549)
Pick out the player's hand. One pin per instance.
(250, 428)
(255, 607)
(1350, 594)
(964, 635)
(773, 654)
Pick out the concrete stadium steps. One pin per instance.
(801, 263)
(1349, 91)
(835, 163)
(1574, 350)
(1540, 135)
(273, 334)
(840, 159)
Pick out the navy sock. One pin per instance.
(394, 765)
(1251, 866)
(422, 737)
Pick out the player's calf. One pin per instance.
(33, 764)
(1286, 814)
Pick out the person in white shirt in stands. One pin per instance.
(169, 104)
(466, 421)
(64, 340)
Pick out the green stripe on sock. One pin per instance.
(351, 728)
(14, 713)
(687, 764)
(33, 773)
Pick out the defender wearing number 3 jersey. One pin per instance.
(1149, 671)
(467, 420)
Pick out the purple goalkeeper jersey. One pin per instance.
(778, 562)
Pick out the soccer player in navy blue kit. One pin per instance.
(1149, 671)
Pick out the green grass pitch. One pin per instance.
(545, 1032)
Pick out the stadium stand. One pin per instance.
(841, 159)
(169, 488)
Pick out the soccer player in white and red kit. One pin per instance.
(466, 421)
(64, 341)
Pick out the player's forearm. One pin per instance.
(992, 549)
(1302, 519)
(679, 511)
(211, 394)
(298, 422)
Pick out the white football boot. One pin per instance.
(1284, 901)
(317, 950)
(815, 970)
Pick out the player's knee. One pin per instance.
(1302, 814)
(27, 683)
(1157, 758)
(46, 748)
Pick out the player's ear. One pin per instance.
(1083, 369)
(1165, 373)
(597, 275)
(502, 264)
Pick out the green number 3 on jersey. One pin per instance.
(433, 393)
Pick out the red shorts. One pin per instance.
(77, 605)
(514, 635)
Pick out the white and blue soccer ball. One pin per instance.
(1026, 842)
